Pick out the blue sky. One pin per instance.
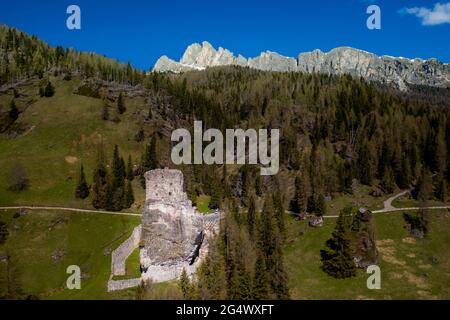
(139, 31)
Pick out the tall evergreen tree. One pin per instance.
(13, 111)
(388, 181)
(337, 260)
(251, 217)
(82, 190)
(424, 188)
(130, 173)
(185, 284)
(129, 195)
(299, 203)
(49, 90)
(121, 104)
(321, 208)
(261, 279)
(150, 159)
(100, 182)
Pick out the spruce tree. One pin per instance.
(279, 278)
(130, 173)
(267, 229)
(105, 111)
(337, 260)
(441, 189)
(388, 181)
(13, 111)
(251, 217)
(121, 104)
(299, 203)
(150, 159)
(100, 182)
(49, 90)
(118, 169)
(129, 195)
(82, 190)
(261, 279)
(321, 208)
(184, 284)
(279, 214)
(424, 188)
(216, 194)
(4, 233)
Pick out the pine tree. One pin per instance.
(366, 163)
(261, 279)
(118, 169)
(49, 90)
(13, 111)
(267, 229)
(129, 195)
(105, 112)
(279, 278)
(258, 186)
(337, 260)
(121, 104)
(299, 203)
(100, 182)
(4, 233)
(185, 284)
(251, 217)
(150, 159)
(388, 181)
(405, 174)
(82, 190)
(216, 194)
(321, 208)
(244, 282)
(424, 188)
(130, 173)
(441, 189)
(279, 214)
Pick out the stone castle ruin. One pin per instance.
(173, 234)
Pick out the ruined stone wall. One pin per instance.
(114, 285)
(121, 254)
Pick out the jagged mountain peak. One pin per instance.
(341, 60)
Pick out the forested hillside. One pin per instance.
(79, 130)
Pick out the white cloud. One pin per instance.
(440, 14)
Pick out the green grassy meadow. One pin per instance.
(410, 268)
(43, 244)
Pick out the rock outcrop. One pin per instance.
(342, 60)
(364, 250)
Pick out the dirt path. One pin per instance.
(71, 209)
(388, 207)
(388, 202)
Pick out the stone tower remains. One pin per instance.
(174, 233)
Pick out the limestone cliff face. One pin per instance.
(173, 232)
(342, 60)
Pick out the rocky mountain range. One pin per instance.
(342, 60)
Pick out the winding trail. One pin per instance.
(71, 210)
(388, 202)
(388, 207)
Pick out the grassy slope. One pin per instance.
(407, 270)
(85, 240)
(65, 125)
